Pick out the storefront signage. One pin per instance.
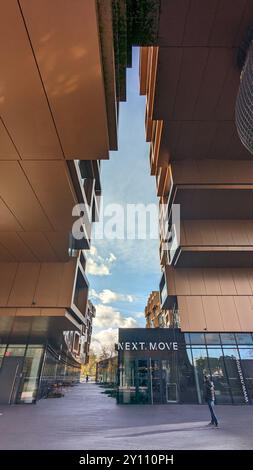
(146, 346)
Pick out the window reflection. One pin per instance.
(219, 377)
(247, 366)
(227, 338)
(186, 377)
(213, 338)
(180, 376)
(143, 381)
(2, 353)
(244, 338)
(15, 350)
(30, 377)
(201, 367)
(197, 338)
(233, 367)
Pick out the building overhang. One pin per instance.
(215, 201)
(37, 325)
(61, 66)
(210, 256)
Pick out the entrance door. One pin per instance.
(9, 379)
(169, 382)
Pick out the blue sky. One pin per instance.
(122, 273)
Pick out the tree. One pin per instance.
(107, 352)
(90, 368)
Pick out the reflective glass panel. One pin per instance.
(143, 373)
(235, 377)
(187, 338)
(244, 338)
(155, 381)
(2, 353)
(201, 367)
(227, 338)
(212, 338)
(219, 376)
(247, 367)
(186, 377)
(2, 349)
(30, 378)
(15, 350)
(197, 338)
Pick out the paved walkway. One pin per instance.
(88, 419)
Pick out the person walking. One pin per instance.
(209, 394)
(87, 378)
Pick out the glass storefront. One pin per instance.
(156, 374)
(29, 365)
(56, 370)
(30, 375)
(28, 371)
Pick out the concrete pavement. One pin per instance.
(88, 419)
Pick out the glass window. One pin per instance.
(21, 329)
(227, 338)
(212, 338)
(197, 338)
(244, 338)
(155, 381)
(143, 372)
(128, 377)
(2, 350)
(17, 350)
(219, 376)
(201, 367)
(29, 385)
(127, 392)
(187, 338)
(164, 293)
(5, 328)
(247, 366)
(2, 353)
(186, 377)
(235, 375)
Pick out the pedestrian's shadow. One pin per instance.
(165, 431)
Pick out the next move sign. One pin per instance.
(146, 346)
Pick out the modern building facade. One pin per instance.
(191, 80)
(59, 95)
(155, 316)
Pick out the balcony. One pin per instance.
(212, 243)
(167, 301)
(208, 191)
(155, 145)
(163, 181)
(150, 88)
(174, 244)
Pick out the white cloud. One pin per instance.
(97, 265)
(104, 339)
(97, 269)
(139, 315)
(106, 296)
(107, 316)
(93, 250)
(138, 255)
